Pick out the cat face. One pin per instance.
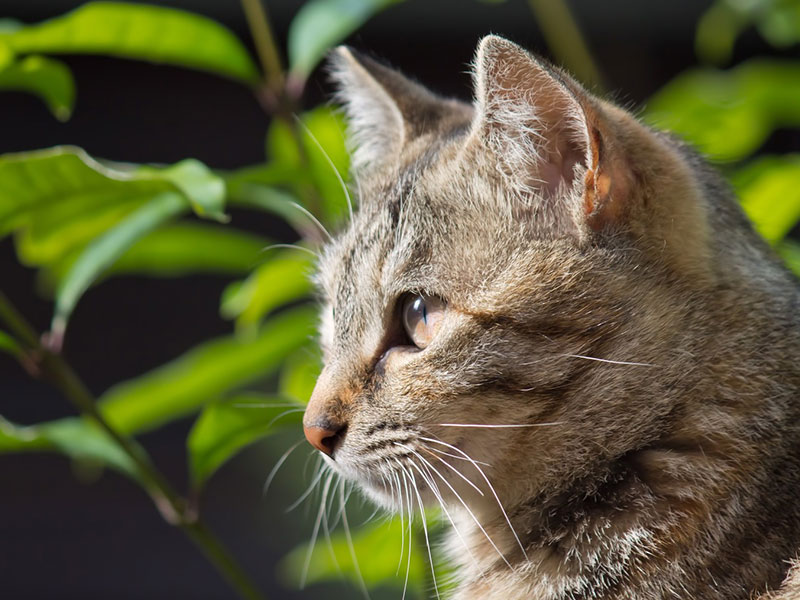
(504, 285)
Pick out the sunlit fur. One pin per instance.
(609, 307)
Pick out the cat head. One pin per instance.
(501, 296)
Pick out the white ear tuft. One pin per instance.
(531, 120)
(375, 124)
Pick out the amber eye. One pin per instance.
(422, 318)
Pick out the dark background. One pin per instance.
(63, 536)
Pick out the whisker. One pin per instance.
(315, 532)
(493, 426)
(480, 526)
(260, 405)
(289, 247)
(407, 487)
(278, 464)
(308, 491)
(456, 471)
(402, 521)
(314, 139)
(327, 529)
(342, 501)
(491, 488)
(606, 360)
(437, 450)
(439, 497)
(314, 219)
(425, 531)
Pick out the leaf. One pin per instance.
(271, 200)
(321, 24)
(82, 440)
(321, 133)
(49, 79)
(225, 427)
(204, 373)
(102, 252)
(377, 550)
(19, 438)
(9, 345)
(142, 32)
(281, 279)
(299, 374)
(778, 22)
(173, 251)
(729, 114)
(78, 438)
(64, 185)
(204, 189)
(768, 187)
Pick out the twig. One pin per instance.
(267, 49)
(565, 40)
(174, 508)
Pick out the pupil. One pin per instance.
(425, 314)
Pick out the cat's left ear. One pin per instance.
(386, 111)
(547, 136)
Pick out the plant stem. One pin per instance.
(565, 40)
(267, 49)
(173, 507)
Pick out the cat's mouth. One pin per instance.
(402, 473)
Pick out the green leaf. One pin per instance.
(19, 438)
(9, 345)
(729, 114)
(323, 146)
(225, 427)
(204, 189)
(142, 32)
(186, 248)
(102, 252)
(205, 373)
(49, 79)
(174, 251)
(64, 185)
(768, 187)
(300, 372)
(271, 200)
(281, 279)
(377, 551)
(778, 22)
(320, 25)
(80, 439)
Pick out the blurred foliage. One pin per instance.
(80, 220)
(731, 114)
(778, 22)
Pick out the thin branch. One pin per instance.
(267, 49)
(564, 38)
(174, 508)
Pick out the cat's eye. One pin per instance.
(422, 318)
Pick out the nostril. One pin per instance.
(325, 439)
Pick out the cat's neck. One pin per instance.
(665, 513)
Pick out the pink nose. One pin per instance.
(322, 439)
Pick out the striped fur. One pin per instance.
(605, 294)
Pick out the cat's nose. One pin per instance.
(324, 439)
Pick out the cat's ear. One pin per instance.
(545, 132)
(385, 110)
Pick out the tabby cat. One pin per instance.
(558, 324)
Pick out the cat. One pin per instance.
(558, 324)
